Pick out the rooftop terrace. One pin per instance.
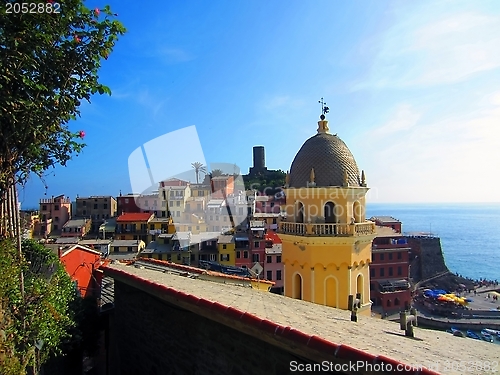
(308, 324)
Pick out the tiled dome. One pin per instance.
(330, 158)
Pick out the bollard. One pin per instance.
(353, 305)
(407, 320)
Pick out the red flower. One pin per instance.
(77, 39)
(97, 11)
(81, 134)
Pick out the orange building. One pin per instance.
(81, 263)
(220, 184)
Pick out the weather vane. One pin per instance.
(324, 108)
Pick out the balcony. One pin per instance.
(318, 230)
(175, 198)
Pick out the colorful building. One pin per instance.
(97, 208)
(173, 182)
(76, 228)
(242, 249)
(133, 226)
(200, 190)
(257, 244)
(273, 266)
(226, 247)
(127, 246)
(176, 197)
(54, 213)
(222, 184)
(127, 204)
(160, 225)
(388, 221)
(389, 271)
(81, 264)
(150, 204)
(326, 238)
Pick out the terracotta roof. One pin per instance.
(272, 236)
(281, 320)
(134, 216)
(330, 157)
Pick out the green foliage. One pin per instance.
(269, 182)
(10, 363)
(217, 173)
(42, 316)
(50, 64)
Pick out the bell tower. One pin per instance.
(326, 237)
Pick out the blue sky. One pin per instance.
(413, 90)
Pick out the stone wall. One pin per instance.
(430, 254)
(151, 337)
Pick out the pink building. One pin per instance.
(54, 213)
(273, 267)
(267, 204)
(173, 182)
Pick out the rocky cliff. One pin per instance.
(428, 267)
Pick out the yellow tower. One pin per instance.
(326, 238)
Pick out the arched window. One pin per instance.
(297, 286)
(358, 212)
(299, 212)
(396, 302)
(359, 287)
(331, 292)
(329, 213)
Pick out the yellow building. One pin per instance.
(160, 225)
(326, 238)
(227, 250)
(200, 190)
(133, 226)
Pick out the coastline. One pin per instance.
(468, 232)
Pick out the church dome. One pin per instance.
(329, 156)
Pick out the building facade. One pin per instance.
(133, 226)
(76, 228)
(389, 271)
(97, 208)
(54, 213)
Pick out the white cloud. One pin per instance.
(405, 118)
(419, 52)
(454, 159)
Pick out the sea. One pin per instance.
(469, 232)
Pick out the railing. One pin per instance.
(356, 229)
(55, 200)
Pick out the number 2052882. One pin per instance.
(32, 8)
